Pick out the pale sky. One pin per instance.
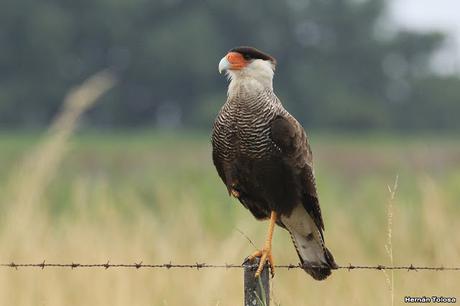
(426, 15)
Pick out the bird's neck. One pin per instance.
(246, 85)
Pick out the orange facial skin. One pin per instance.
(236, 60)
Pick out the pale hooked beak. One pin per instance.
(224, 64)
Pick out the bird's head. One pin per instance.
(248, 62)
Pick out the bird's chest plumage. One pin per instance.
(246, 157)
(242, 128)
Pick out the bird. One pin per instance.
(263, 156)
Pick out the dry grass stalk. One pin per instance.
(389, 243)
(28, 182)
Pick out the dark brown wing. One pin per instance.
(292, 140)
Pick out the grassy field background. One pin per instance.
(154, 196)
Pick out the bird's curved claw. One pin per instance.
(265, 255)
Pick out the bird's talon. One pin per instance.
(265, 255)
(257, 253)
(235, 193)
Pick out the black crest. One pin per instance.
(252, 53)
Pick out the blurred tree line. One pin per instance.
(340, 64)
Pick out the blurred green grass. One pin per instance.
(155, 196)
(162, 168)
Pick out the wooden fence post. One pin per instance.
(256, 290)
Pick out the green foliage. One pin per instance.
(338, 66)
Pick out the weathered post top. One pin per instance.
(256, 290)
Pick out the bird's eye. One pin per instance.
(247, 57)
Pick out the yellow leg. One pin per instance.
(266, 252)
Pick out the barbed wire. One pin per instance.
(198, 266)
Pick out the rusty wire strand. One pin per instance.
(198, 266)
